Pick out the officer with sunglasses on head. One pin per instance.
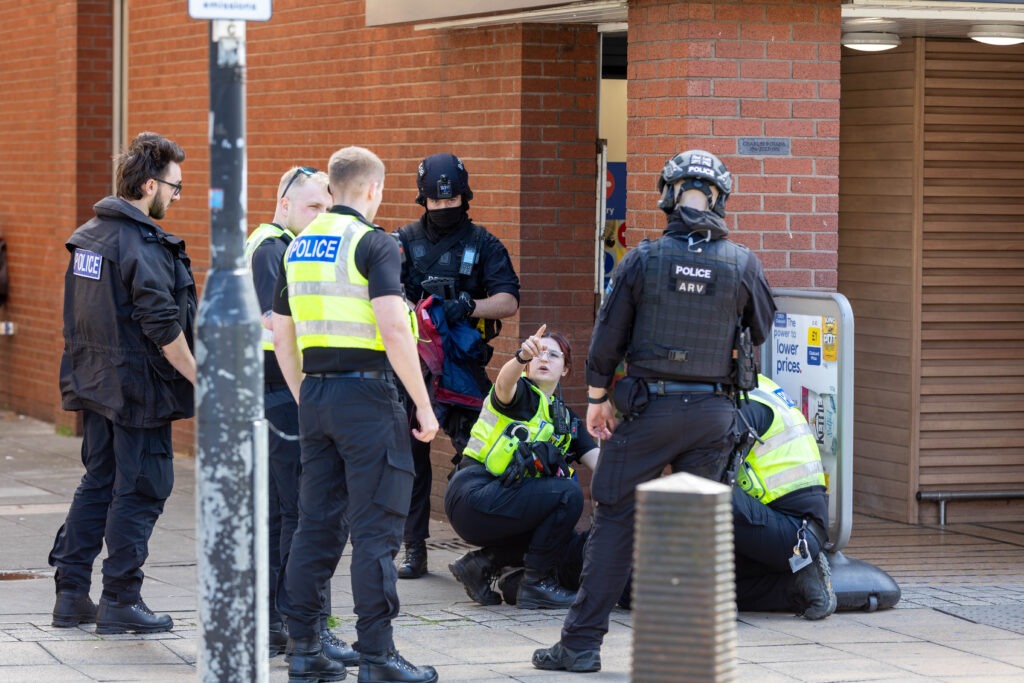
(302, 195)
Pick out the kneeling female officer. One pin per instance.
(514, 493)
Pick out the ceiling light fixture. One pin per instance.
(870, 42)
(998, 34)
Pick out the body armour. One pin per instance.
(458, 262)
(495, 436)
(686, 321)
(788, 460)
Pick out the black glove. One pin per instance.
(520, 467)
(551, 459)
(459, 308)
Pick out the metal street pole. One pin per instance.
(231, 499)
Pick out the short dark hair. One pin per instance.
(146, 157)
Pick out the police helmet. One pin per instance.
(695, 168)
(442, 176)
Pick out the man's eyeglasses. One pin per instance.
(176, 186)
(554, 354)
(301, 170)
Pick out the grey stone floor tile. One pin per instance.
(148, 673)
(833, 668)
(110, 652)
(26, 654)
(42, 674)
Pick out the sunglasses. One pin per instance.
(301, 170)
(176, 186)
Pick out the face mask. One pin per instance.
(446, 219)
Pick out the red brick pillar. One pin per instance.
(708, 73)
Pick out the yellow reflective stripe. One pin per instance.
(476, 445)
(335, 328)
(791, 433)
(807, 470)
(320, 288)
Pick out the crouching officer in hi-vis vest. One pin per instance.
(780, 512)
(514, 493)
(341, 327)
(301, 196)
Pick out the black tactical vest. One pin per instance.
(686, 322)
(460, 261)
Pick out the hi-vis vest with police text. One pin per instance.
(686, 320)
(495, 437)
(260, 235)
(328, 296)
(788, 460)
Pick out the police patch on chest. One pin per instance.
(319, 248)
(87, 264)
(691, 279)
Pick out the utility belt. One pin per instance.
(351, 374)
(666, 387)
(631, 395)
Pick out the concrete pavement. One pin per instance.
(963, 632)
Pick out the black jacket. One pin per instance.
(128, 292)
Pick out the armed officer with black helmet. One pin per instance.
(447, 255)
(672, 311)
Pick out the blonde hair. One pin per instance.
(351, 167)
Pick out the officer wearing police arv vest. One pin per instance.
(780, 512)
(301, 196)
(341, 326)
(129, 316)
(672, 311)
(514, 493)
(446, 254)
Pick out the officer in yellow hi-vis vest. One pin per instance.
(301, 196)
(780, 512)
(514, 494)
(341, 328)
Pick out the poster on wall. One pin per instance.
(614, 237)
(810, 355)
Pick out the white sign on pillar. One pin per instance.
(232, 10)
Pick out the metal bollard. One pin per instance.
(684, 590)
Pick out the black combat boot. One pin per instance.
(338, 649)
(541, 590)
(414, 564)
(73, 608)
(560, 658)
(474, 571)
(121, 617)
(813, 589)
(508, 584)
(392, 667)
(278, 638)
(308, 663)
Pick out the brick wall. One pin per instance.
(703, 74)
(55, 145)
